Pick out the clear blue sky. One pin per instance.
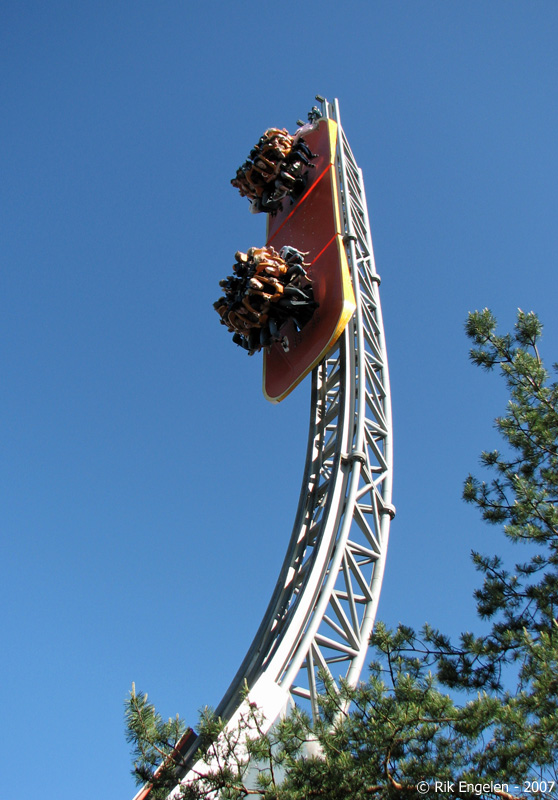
(147, 489)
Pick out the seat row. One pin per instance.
(266, 289)
(276, 168)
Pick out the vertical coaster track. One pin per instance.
(322, 611)
(323, 608)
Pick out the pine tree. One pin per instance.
(156, 744)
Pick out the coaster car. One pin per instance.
(296, 318)
(313, 226)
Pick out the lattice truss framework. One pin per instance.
(322, 611)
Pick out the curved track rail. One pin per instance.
(322, 611)
(324, 604)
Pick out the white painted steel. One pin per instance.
(324, 605)
(322, 611)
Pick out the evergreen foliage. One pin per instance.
(482, 711)
(154, 743)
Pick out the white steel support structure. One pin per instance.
(322, 611)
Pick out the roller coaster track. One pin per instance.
(322, 610)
